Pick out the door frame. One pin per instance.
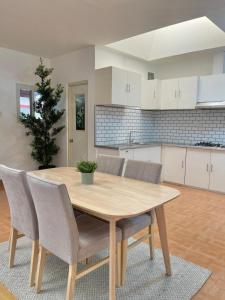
(69, 129)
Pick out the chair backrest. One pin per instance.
(22, 210)
(110, 164)
(58, 230)
(145, 171)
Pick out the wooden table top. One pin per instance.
(112, 197)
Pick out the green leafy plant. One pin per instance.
(42, 124)
(86, 166)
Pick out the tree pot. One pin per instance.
(87, 178)
(46, 167)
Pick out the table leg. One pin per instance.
(112, 261)
(160, 215)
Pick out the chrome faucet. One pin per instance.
(131, 140)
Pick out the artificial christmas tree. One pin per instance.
(42, 123)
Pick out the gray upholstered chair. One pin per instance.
(23, 214)
(144, 171)
(110, 164)
(69, 238)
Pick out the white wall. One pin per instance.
(69, 68)
(199, 63)
(15, 67)
(105, 57)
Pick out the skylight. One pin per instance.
(190, 36)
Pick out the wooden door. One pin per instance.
(78, 123)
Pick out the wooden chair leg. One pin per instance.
(9, 240)
(124, 249)
(34, 260)
(40, 268)
(12, 248)
(151, 241)
(71, 282)
(118, 264)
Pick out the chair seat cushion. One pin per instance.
(93, 236)
(133, 225)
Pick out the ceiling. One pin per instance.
(54, 27)
(186, 37)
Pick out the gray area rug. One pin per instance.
(145, 278)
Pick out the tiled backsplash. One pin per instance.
(181, 126)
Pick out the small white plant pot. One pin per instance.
(87, 178)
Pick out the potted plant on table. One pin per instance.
(87, 169)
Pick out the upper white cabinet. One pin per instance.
(187, 93)
(180, 93)
(133, 89)
(197, 168)
(217, 171)
(211, 88)
(150, 96)
(169, 94)
(117, 86)
(173, 160)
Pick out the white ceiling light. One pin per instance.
(194, 35)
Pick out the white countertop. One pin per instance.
(154, 144)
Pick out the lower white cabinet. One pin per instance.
(217, 171)
(197, 168)
(127, 154)
(173, 160)
(151, 154)
(190, 166)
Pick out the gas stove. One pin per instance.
(210, 144)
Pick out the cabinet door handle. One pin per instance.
(129, 88)
(211, 168)
(207, 168)
(175, 94)
(182, 165)
(154, 94)
(179, 93)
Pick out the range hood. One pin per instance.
(211, 90)
(211, 105)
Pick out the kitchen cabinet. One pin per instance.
(197, 168)
(179, 93)
(169, 94)
(217, 171)
(150, 96)
(173, 160)
(133, 89)
(115, 86)
(187, 93)
(127, 154)
(150, 154)
(211, 88)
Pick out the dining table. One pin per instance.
(112, 198)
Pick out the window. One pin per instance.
(25, 96)
(25, 102)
